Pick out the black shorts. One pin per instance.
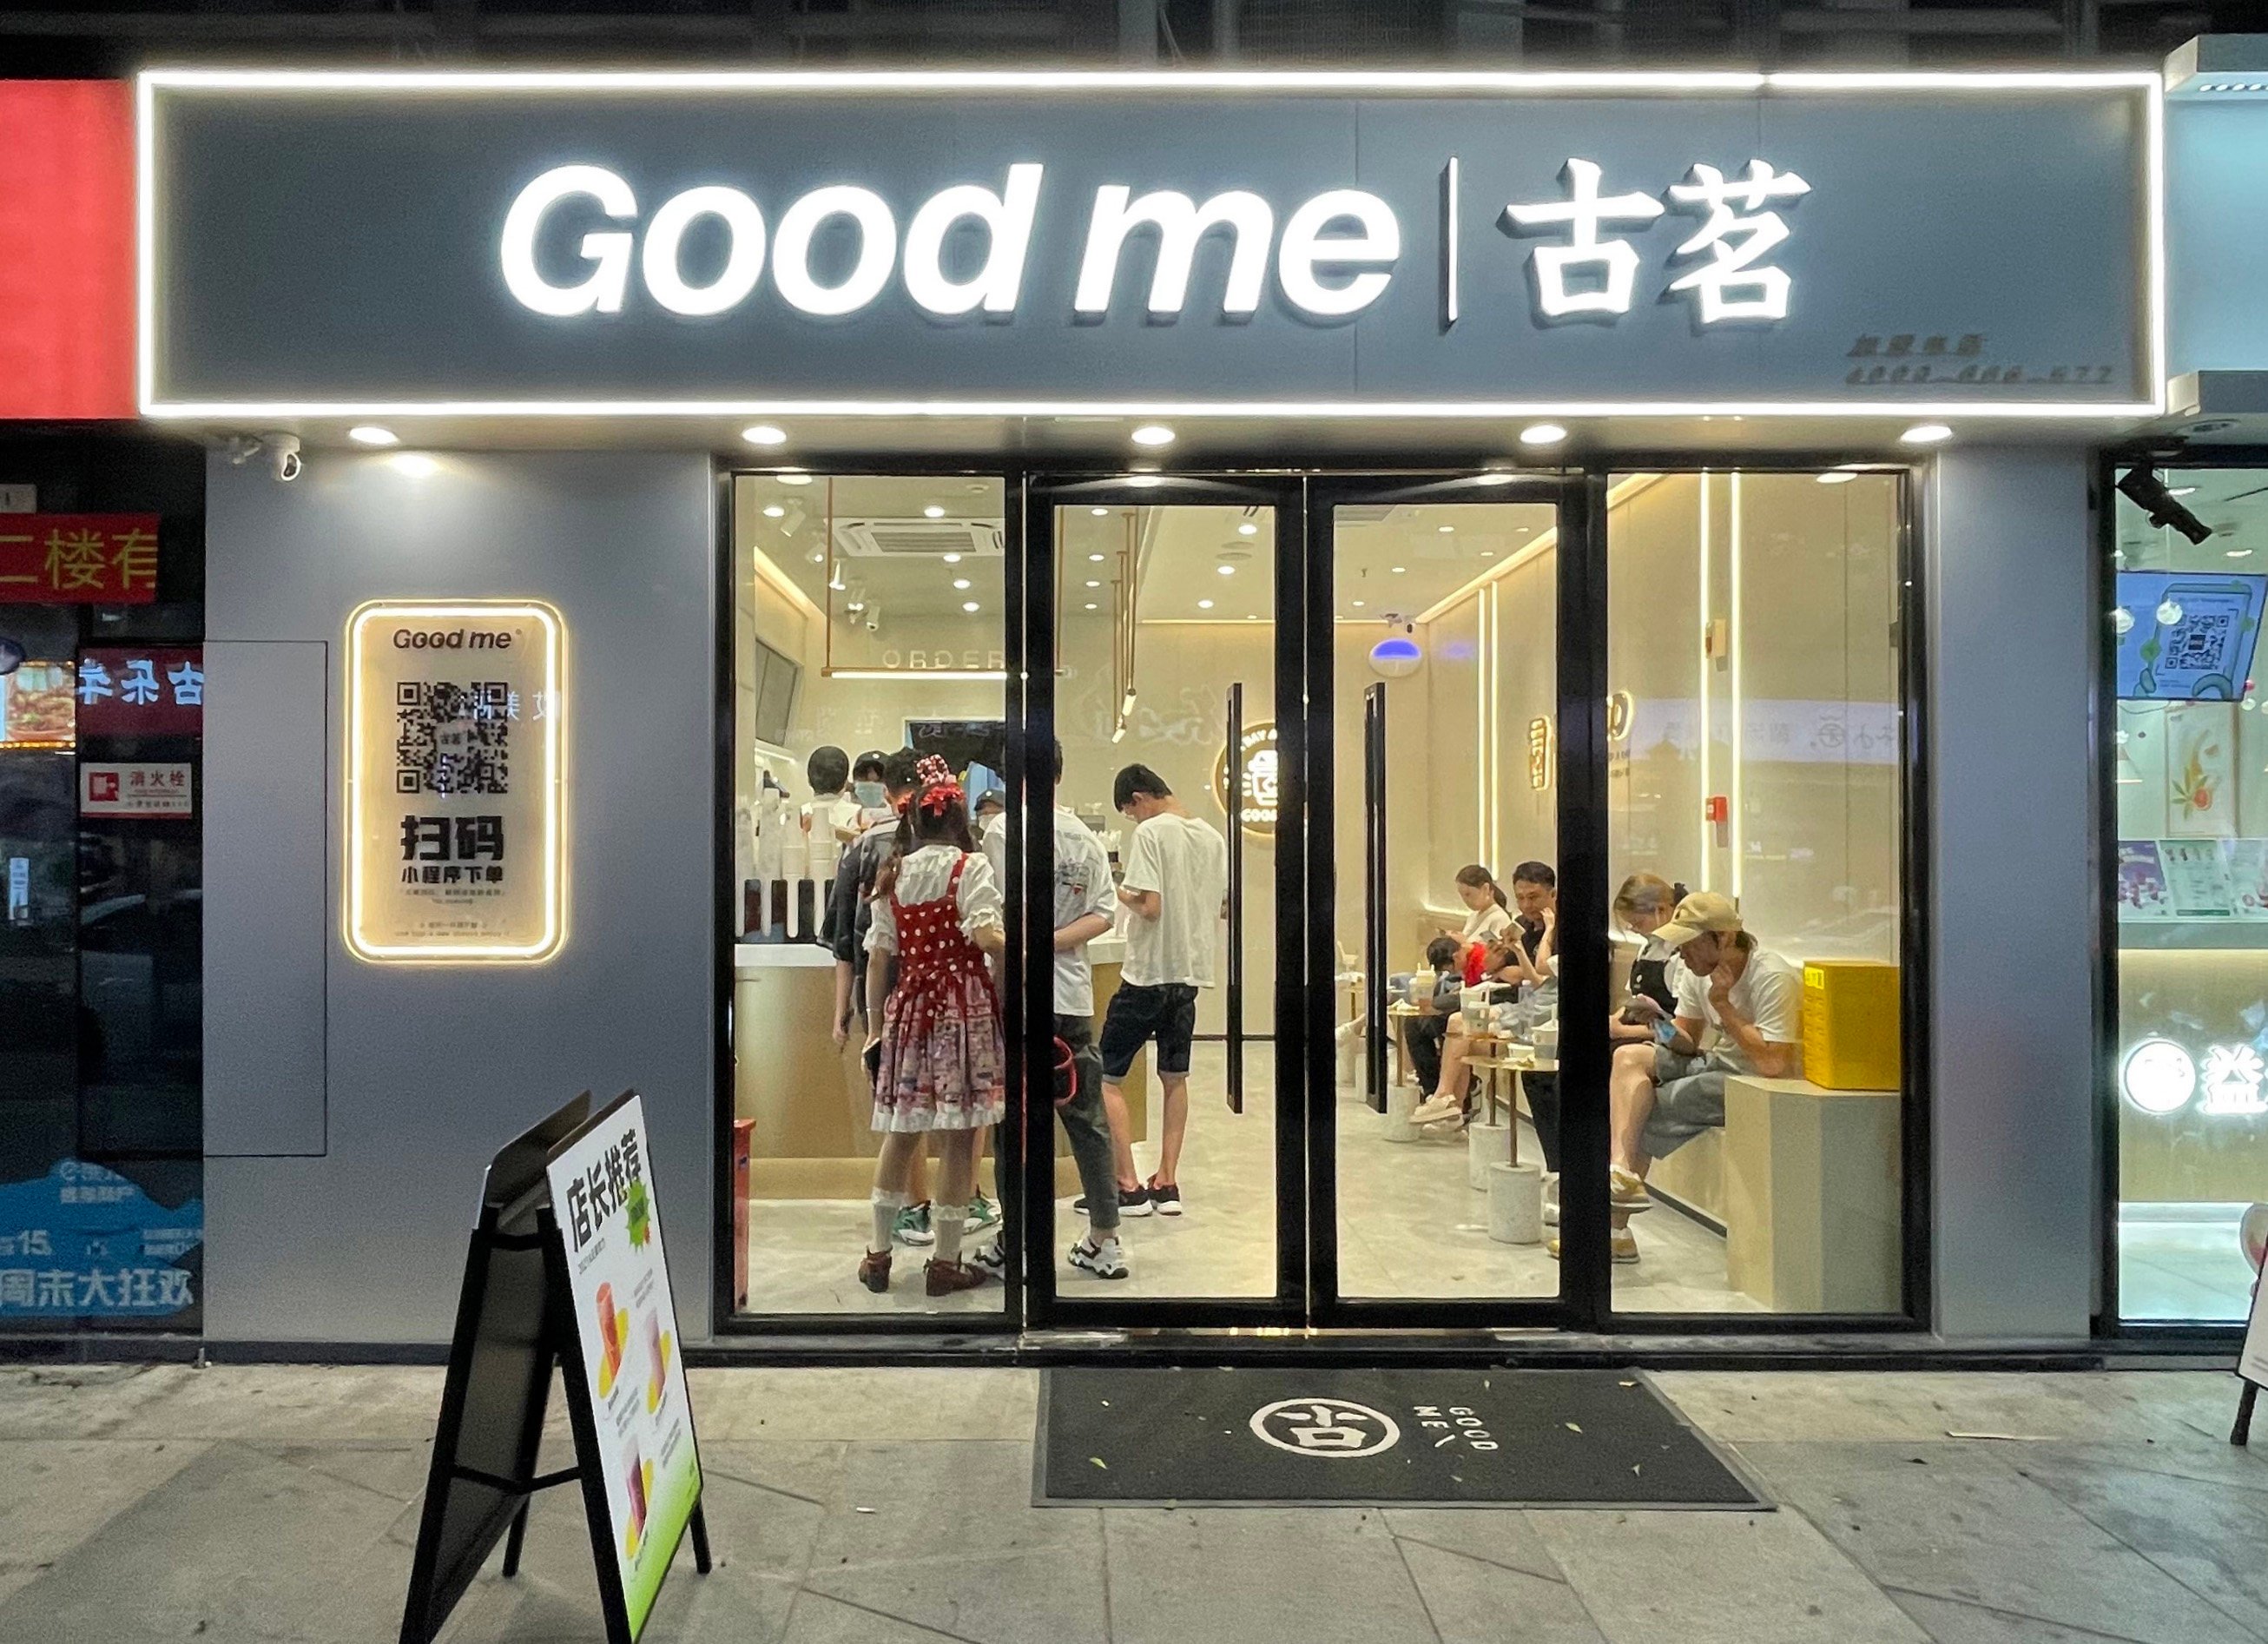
(1167, 1013)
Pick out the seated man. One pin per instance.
(1742, 1002)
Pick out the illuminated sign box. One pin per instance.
(1432, 245)
(456, 751)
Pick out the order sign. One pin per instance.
(456, 728)
(626, 1328)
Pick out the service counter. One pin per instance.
(808, 1098)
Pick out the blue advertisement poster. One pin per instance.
(83, 1242)
(2186, 636)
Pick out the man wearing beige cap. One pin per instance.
(1740, 1010)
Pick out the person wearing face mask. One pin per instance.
(870, 786)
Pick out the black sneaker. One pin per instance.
(1134, 1201)
(1165, 1196)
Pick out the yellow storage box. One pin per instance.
(1850, 1024)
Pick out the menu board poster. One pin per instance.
(2248, 876)
(456, 753)
(2196, 879)
(2142, 881)
(626, 1329)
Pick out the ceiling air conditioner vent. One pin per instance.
(918, 538)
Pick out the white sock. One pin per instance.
(948, 1225)
(886, 1206)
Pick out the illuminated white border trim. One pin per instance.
(2150, 82)
(555, 902)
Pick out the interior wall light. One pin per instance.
(933, 512)
(1542, 434)
(764, 434)
(1926, 434)
(372, 434)
(1835, 477)
(1153, 435)
(793, 476)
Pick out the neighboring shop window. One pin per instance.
(1757, 747)
(2189, 751)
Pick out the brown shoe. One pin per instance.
(874, 1271)
(946, 1279)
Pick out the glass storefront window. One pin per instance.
(2189, 750)
(1756, 729)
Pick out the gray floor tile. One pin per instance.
(57, 1493)
(1498, 1536)
(1948, 1622)
(1957, 1522)
(822, 1620)
(1843, 1405)
(235, 1546)
(1320, 1576)
(1719, 1578)
(865, 1405)
(1470, 1602)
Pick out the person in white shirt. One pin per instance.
(830, 815)
(1082, 912)
(1740, 1010)
(1177, 886)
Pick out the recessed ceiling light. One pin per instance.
(960, 582)
(1487, 553)
(933, 512)
(1356, 603)
(1250, 529)
(1090, 605)
(2240, 553)
(1145, 481)
(1926, 434)
(1498, 478)
(969, 605)
(1091, 583)
(1099, 514)
(1094, 559)
(1205, 605)
(793, 476)
(2178, 491)
(1446, 529)
(1398, 570)
(773, 510)
(1225, 571)
(950, 559)
(764, 434)
(372, 434)
(1154, 434)
(1252, 616)
(1835, 477)
(1542, 434)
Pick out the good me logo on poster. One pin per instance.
(1334, 257)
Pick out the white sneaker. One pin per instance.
(1105, 1259)
(1551, 1199)
(1626, 1192)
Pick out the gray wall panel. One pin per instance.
(268, 901)
(2011, 597)
(429, 1069)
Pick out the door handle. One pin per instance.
(1373, 958)
(1233, 763)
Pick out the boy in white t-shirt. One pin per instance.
(1740, 1010)
(1177, 886)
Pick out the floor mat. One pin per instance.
(1373, 1437)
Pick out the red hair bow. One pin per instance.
(938, 795)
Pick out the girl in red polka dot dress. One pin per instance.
(939, 1064)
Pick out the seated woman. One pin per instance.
(1521, 952)
(1641, 907)
(1487, 912)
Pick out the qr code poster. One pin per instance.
(456, 730)
(2186, 636)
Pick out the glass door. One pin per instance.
(1454, 870)
(1163, 623)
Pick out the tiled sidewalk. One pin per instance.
(890, 1507)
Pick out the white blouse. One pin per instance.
(1486, 921)
(922, 877)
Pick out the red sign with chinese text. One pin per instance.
(78, 558)
(141, 691)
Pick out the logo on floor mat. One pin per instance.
(1333, 1428)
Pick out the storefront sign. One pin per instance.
(2160, 1076)
(1259, 782)
(456, 742)
(142, 691)
(135, 790)
(626, 1326)
(78, 558)
(1356, 244)
(83, 1242)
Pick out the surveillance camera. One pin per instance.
(2146, 492)
(283, 456)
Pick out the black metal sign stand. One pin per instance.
(515, 1324)
(2242, 1433)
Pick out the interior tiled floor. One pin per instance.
(2187, 1264)
(1408, 1226)
(867, 1506)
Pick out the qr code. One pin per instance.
(2200, 643)
(451, 738)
